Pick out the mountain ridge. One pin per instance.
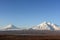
(43, 26)
(46, 26)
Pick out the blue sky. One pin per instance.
(29, 12)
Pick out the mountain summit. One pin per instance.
(9, 27)
(46, 26)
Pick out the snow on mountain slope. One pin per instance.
(9, 27)
(46, 26)
(42, 26)
(56, 27)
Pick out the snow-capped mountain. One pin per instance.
(46, 26)
(10, 27)
(42, 26)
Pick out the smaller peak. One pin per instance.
(49, 23)
(44, 22)
(10, 25)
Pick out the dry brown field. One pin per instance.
(28, 37)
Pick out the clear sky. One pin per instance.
(29, 12)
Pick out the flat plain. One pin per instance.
(29, 35)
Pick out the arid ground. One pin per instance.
(28, 37)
